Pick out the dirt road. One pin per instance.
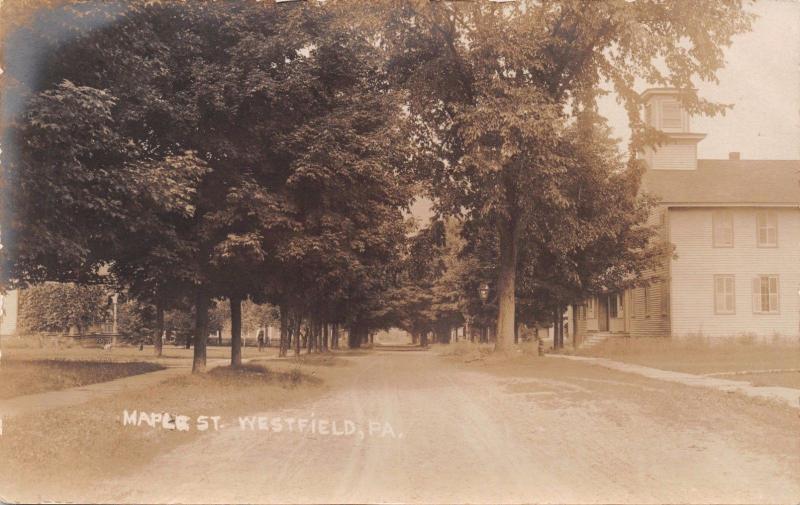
(448, 432)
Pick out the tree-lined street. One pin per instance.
(488, 432)
(409, 204)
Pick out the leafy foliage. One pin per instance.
(496, 90)
(59, 306)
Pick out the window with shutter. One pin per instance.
(766, 298)
(724, 294)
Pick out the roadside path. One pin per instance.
(787, 396)
(81, 394)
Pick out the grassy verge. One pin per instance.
(65, 450)
(24, 377)
(774, 361)
(463, 351)
(172, 355)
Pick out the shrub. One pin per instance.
(55, 306)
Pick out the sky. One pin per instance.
(761, 79)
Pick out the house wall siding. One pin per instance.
(676, 155)
(8, 322)
(656, 323)
(697, 261)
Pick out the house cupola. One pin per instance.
(663, 110)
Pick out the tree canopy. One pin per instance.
(267, 152)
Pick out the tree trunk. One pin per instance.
(158, 342)
(558, 328)
(296, 323)
(284, 343)
(555, 328)
(325, 333)
(335, 336)
(354, 337)
(236, 331)
(423, 339)
(200, 330)
(506, 298)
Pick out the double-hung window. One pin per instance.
(765, 294)
(767, 228)
(724, 294)
(722, 221)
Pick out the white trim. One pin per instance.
(731, 204)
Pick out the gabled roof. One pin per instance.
(728, 182)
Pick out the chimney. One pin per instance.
(734, 156)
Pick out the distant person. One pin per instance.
(260, 339)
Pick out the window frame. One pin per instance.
(725, 311)
(758, 299)
(717, 216)
(766, 214)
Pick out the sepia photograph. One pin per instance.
(400, 251)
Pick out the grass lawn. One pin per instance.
(27, 368)
(24, 377)
(92, 442)
(171, 355)
(774, 363)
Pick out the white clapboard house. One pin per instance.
(735, 228)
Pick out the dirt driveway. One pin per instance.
(536, 431)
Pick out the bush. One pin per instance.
(58, 307)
